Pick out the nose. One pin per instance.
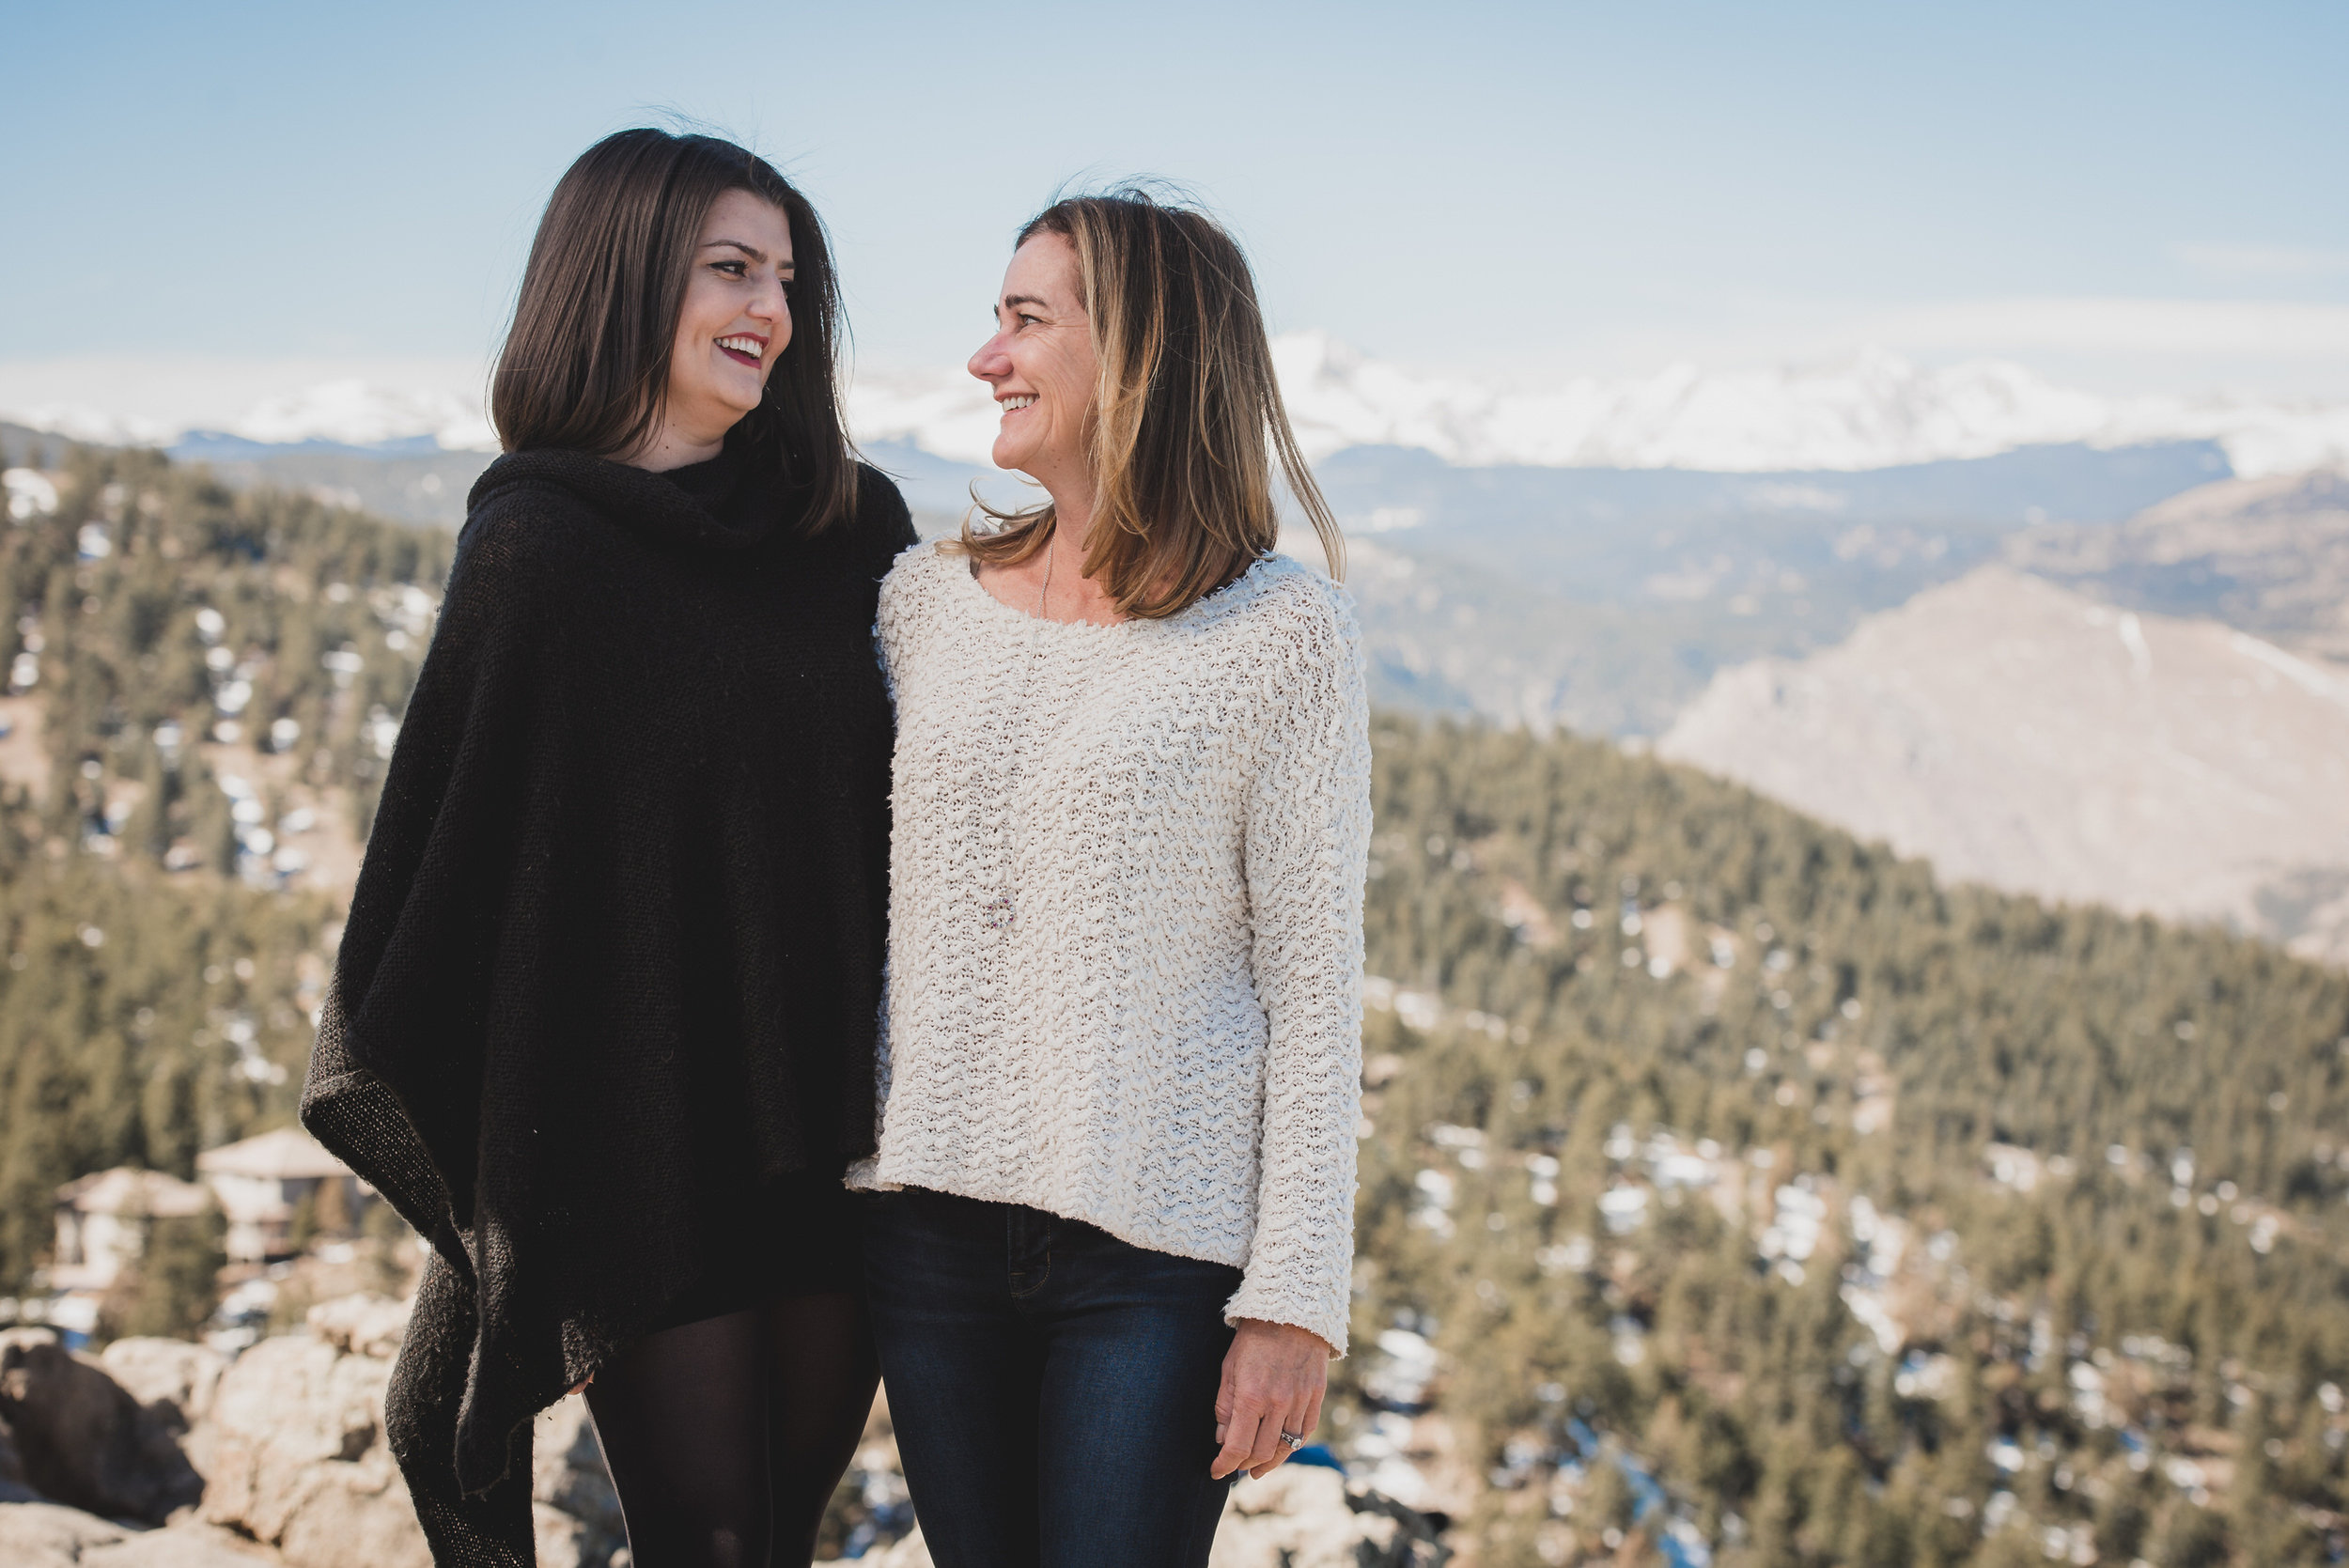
(991, 363)
(770, 305)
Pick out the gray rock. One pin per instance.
(173, 1379)
(292, 1450)
(293, 1455)
(84, 1441)
(361, 1324)
(288, 1440)
(49, 1535)
(567, 1470)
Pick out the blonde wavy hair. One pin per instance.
(1187, 420)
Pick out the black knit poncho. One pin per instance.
(612, 967)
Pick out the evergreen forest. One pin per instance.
(162, 951)
(1760, 1195)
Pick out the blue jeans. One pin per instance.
(1053, 1388)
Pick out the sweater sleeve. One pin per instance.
(1306, 851)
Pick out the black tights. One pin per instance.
(726, 1437)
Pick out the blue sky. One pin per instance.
(2140, 197)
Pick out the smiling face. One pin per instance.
(736, 323)
(1041, 365)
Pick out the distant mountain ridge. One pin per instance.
(1872, 410)
(1603, 599)
(2268, 555)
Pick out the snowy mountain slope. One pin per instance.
(392, 403)
(1875, 410)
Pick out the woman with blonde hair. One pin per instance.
(1120, 1084)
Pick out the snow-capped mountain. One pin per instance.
(395, 403)
(1873, 411)
(356, 412)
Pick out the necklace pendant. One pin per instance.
(997, 912)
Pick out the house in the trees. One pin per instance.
(268, 1183)
(103, 1219)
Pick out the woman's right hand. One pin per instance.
(1274, 1377)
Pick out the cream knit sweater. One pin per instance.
(1125, 921)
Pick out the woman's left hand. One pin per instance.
(1274, 1377)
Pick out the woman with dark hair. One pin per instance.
(1118, 1097)
(603, 1015)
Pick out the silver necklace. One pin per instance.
(1002, 909)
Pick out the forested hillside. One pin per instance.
(1731, 1189)
(204, 684)
(1882, 1222)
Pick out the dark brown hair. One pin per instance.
(585, 365)
(1187, 417)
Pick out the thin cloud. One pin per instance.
(2245, 328)
(2261, 261)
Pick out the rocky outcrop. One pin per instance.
(172, 1378)
(281, 1454)
(49, 1535)
(288, 1440)
(293, 1454)
(81, 1440)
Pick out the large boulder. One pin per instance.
(173, 1379)
(49, 1535)
(293, 1454)
(82, 1441)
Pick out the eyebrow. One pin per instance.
(752, 251)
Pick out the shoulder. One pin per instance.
(522, 529)
(922, 566)
(917, 583)
(1281, 596)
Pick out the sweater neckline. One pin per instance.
(721, 504)
(987, 602)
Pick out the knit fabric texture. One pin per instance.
(613, 964)
(1126, 918)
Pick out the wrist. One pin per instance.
(1287, 1332)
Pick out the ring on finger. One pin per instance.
(1292, 1439)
